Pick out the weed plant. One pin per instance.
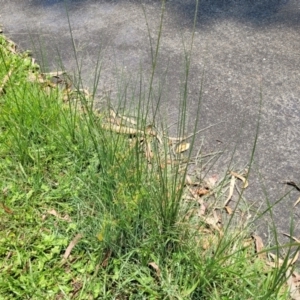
(64, 173)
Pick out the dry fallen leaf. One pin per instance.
(113, 118)
(259, 246)
(173, 140)
(231, 188)
(208, 240)
(148, 151)
(228, 209)
(277, 262)
(5, 80)
(297, 202)
(182, 147)
(12, 47)
(150, 131)
(155, 267)
(55, 73)
(248, 242)
(159, 138)
(53, 212)
(122, 129)
(202, 209)
(171, 162)
(34, 77)
(188, 180)
(193, 193)
(293, 282)
(241, 178)
(211, 181)
(106, 258)
(292, 237)
(6, 209)
(201, 192)
(72, 244)
(291, 261)
(213, 221)
(128, 120)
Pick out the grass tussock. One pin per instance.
(88, 211)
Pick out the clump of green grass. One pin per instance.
(56, 157)
(64, 173)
